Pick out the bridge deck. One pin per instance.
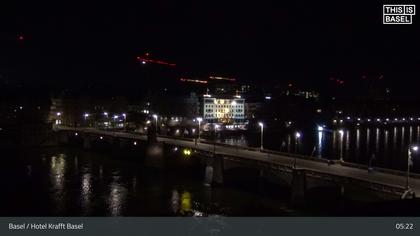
(386, 179)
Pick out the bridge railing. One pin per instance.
(382, 170)
(286, 154)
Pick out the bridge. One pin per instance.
(220, 157)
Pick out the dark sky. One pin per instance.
(263, 41)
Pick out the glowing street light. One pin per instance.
(58, 113)
(298, 135)
(411, 148)
(105, 113)
(199, 119)
(216, 126)
(262, 135)
(320, 128)
(156, 120)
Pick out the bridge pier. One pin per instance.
(87, 142)
(155, 156)
(63, 138)
(298, 190)
(213, 174)
(151, 135)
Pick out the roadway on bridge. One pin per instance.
(381, 178)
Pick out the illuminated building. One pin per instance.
(223, 110)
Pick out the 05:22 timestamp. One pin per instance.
(404, 226)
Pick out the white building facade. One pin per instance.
(223, 110)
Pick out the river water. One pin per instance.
(66, 181)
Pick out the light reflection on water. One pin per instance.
(85, 185)
(57, 179)
(117, 197)
(86, 193)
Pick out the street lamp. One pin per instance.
(156, 120)
(297, 137)
(216, 126)
(262, 135)
(58, 119)
(411, 148)
(199, 119)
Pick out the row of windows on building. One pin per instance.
(223, 116)
(222, 101)
(224, 106)
(223, 111)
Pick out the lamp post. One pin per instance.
(298, 135)
(86, 116)
(262, 135)
(411, 148)
(199, 119)
(107, 121)
(156, 124)
(58, 120)
(216, 126)
(124, 120)
(115, 121)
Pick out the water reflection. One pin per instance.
(410, 137)
(418, 134)
(394, 140)
(347, 142)
(86, 193)
(57, 179)
(175, 201)
(320, 140)
(357, 143)
(117, 197)
(386, 142)
(186, 206)
(402, 136)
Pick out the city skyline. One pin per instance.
(266, 42)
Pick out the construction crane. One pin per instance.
(146, 59)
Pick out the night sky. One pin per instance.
(305, 42)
